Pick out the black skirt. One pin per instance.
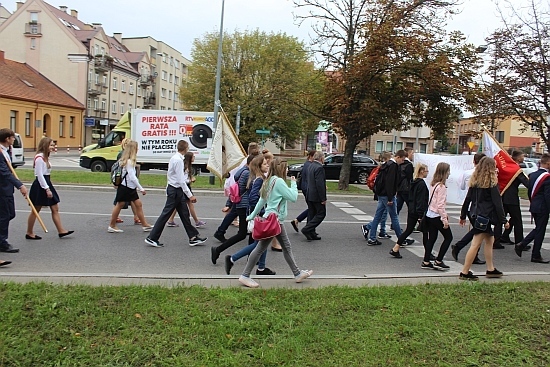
(125, 194)
(38, 195)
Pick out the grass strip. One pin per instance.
(467, 324)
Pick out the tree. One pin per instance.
(393, 66)
(268, 75)
(521, 63)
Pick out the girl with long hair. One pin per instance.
(275, 194)
(417, 205)
(188, 160)
(437, 219)
(127, 190)
(483, 200)
(42, 191)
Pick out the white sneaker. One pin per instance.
(147, 229)
(304, 274)
(153, 243)
(249, 282)
(114, 230)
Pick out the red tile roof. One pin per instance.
(22, 82)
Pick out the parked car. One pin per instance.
(528, 167)
(18, 159)
(361, 167)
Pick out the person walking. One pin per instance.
(122, 144)
(437, 219)
(406, 171)
(242, 208)
(127, 190)
(510, 201)
(386, 188)
(8, 181)
(417, 207)
(316, 196)
(42, 191)
(259, 168)
(302, 185)
(177, 195)
(275, 194)
(538, 191)
(482, 201)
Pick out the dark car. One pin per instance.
(360, 167)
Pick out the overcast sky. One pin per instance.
(179, 22)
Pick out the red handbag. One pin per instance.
(266, 227)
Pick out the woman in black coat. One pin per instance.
(485, 200)
(418, 204)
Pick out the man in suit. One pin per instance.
(538, 191)
(7, 182)
(303, 186)
(316, 196)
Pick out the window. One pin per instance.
(34, 17)
(176, 80)
(170, 95)
(379, 146)
(105, 80)
(96, 78)
(96, 104)
(113, 107)
(398, 145)
(171, 61)
(103, 105)
(176, 64)
(164, 75)
(499, 135)
(139, 91)
(33, 43)
(61, 126)
(28, 123)
(170, 77)
(115, 83)
(13, 120)
(389, 146)
(122, 108)
(129, 107)
(89, 103)
(71, 126)
(131, 88)
(176, 97)
(163, 92)
(423, 148)
(123, 85)
(96, 48)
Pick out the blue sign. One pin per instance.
(89, 121)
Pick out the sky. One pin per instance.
(179, 22)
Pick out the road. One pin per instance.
(341, 254)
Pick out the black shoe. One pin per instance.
(266, 271)
(497, 246)
(478, 261)
(276, 249)
(395, 254)
(4, 263)
(61, 235)
(294, 223)
(539, 260)
(440, 265)
(307, 234)
(315, 237)
(9, 248)
(220, 237)
(214, 254)
(526, 248)
(454, 252)
(469, 276)
(493, 273)
(228, 264)
(518, 248)
(36, 237)
(373, 243)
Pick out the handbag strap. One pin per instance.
(433, 192)
(269, 193)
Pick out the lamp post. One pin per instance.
(211, 180)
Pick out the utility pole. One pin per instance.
(211, 180)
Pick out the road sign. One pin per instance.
(262, 132)
(471, 144)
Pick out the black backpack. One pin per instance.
(116, 174)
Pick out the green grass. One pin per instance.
(468, 324)
(148, 180)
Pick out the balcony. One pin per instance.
(150, 101)
(96, 89)
(33, 29)
(146, 80)
(99, 110)
(103, 63)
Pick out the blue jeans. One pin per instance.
(246, 251)
(383, 220)
(380, 209)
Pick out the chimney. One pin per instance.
(63, 8)
(19, 4)
(96, 25)
(74, 13)
(2, 56)
(118, 37)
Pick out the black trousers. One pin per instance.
(7, 213)
(241, 234)
(412, 221)
(436, 225)
(516, 223)
(175, 199)
(316, 212)
(537, 234)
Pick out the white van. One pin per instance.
(18, 158)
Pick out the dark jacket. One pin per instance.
(316, 183)
(540, 202)
(511, 195)
(406, 171)
(304, 177)
(242, 178)
(389, 175)
(7, 180)
(418, 197)
(485, 202)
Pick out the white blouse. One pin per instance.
(131, 181)
(41, 169)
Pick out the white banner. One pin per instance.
(459, 164)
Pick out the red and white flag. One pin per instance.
(508, 169)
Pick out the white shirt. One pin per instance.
(40, 169)
(176, 176)
(466, 175)
(6, 153)
(130, 180)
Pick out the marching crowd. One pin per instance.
(258, 195)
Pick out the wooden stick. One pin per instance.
(33, 209)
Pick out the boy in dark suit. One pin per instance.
(7, 182)
(316, 196)
(539, 195)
